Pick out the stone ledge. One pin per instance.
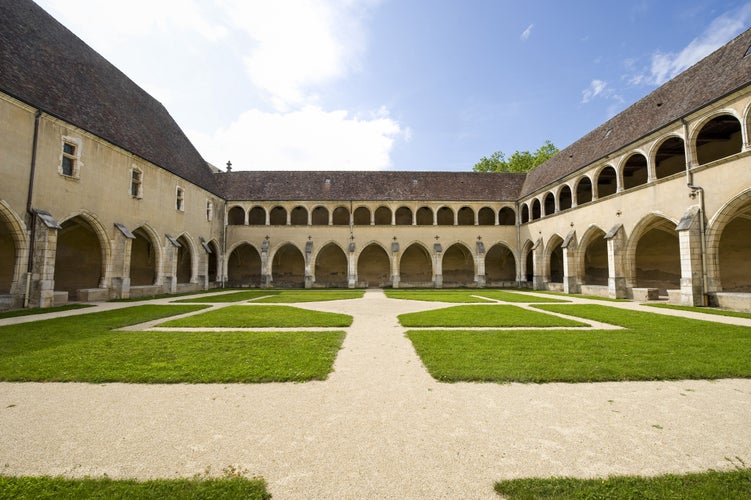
(92, 294)
(645, 294)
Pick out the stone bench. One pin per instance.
(735, 301)
(59, 298)
(136, 292)
(92, 294)
(595, 290)
(645, 294)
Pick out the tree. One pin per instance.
(519, 161)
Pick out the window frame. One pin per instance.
(73, 158)
(138, 182)
(180, 199)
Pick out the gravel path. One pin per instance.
(379, 427)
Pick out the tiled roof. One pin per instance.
(45, 65)
(720, 73)
(373, 186)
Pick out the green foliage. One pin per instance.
(484, 316)
(59, 487)
(262, 317)
(712, 484)
(703, 310)
(519, 161)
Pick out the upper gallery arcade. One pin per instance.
(104, 196)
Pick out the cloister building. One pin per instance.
(103, 196)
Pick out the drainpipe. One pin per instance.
(30, 210)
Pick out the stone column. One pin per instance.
(351, 267)
(538, 264)
(480, 261)
(169, 268)
(265, 274)
(438, 265)
(309, 278)
(692, 269)
(42, 288)
(616, 239)
(121, 247)
(395, 270)
(570, 272)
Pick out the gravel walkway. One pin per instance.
(379, 427)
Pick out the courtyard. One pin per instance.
(395, 394)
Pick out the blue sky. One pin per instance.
(395, 84)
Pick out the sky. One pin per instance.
(429, 85)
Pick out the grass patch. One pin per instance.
(85, 349)
(712, 484)
(228, 297)
(507, 296)
(32, 312)
(59, 487)
(651, 347)
(262, 317)
(291, 296)
(164, 296)
(580, 296)
(457, 296)
(704, 310)
(483, 316)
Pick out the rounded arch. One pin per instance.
(82, 254)
(536, 210)
(145, 257)
(319, 216)
(500, 265)
(416, 265)
(445, 216)
(565, 198)
(718, 137)
(525, 213)
(257, 216)
(403, 216)
(299, 216)
(548, 204)
(634, 171)
(236, 216)
(653, 257)
(553, 271)
(373, 266)
(13, 247)
(593, 257)
(186, 259)
(361, 216)
(458, 265)
(607, 181)
(486, 216)
(466, 216)
(425, 216)
(244, 265)
(331, 266)
(288, 266)
(340, 216)
(584, 193)
(728, 246)
(383, 216)
(507, 216)
(669, 157)
(278, 216)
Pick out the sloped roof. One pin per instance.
(720, 73)
(375, 186)
(45, 65)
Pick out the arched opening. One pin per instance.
(143, 259)
(507, 216)
(403, 216)
(734, 252)
(424, 216)
(7, 256)
(278, 216)
(555, 259)
(184, 261)
(213, 261)
(595, 258)
(658, 257)
(565, 199)
(529, 265)
(244, 266)
(362, 216)
(340, 217)
(445, 216)
(415, 266)
(383, 216)
(536, 212)
(500, 265)
(486, 217)
(236, 216)
(331, 267)
(373, 267)
(78, 259)
(635, 171)
(719, 138)
(257, 216)
(584, 191)
(299, 216)
(607, 182)
(320, 216)
(458, 266)
(525, 214)
(670, 158)
(466, 216)
(549, 204)
(288, 267)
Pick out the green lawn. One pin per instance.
(709, 485)
(507, 296)
(502, 316)
(705, 310)
(262, 317)
(85, 349)
(652, 347)
(182, 489)
(242, 296)
(31, 312)
(291, 296)
(465, 296)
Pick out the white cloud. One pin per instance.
(306, 139)
(596, 88)
(527, 32)
(666, 65)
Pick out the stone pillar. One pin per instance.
(121, 247)
(692, 269)
(616, 239)
(438, 265)
(265, 274)
(42, 288)
(570, 271)
(170, 265)
(538, 264)
(480, 262)
(309, 278)
(395, 270)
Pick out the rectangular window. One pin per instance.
(209, 210)
(180, 199)
(69, 159)
(136, 182)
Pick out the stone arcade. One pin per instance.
(104, 197)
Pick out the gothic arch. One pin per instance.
(288, 266)
(593, 257)
(13, 249)
(187, 259)
(458, 265)
(145, 257)
(728, 248)
(83, 254)
(500, 264)
(416, 264)
(553, 271)
(244, 265)
(653, 256)
(330, 266)
(373, 265)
